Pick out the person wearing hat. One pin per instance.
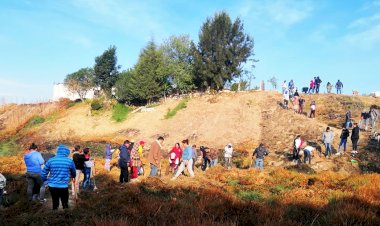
(140, 152)
(56, 174)
(228, 150)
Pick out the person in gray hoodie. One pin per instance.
(328, 138)
(260, 153)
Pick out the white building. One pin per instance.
(375, 94)
(61, 91)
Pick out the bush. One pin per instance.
(250, 195)
(35, 120)
(120, 112)
(96, 105)
(180, 105)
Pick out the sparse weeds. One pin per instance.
(172, 112)
(120, 112)
(250, 195)
(35, 120)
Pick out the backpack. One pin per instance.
(3, 181)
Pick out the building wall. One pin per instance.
(60, 91)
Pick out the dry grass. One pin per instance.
(214, 197)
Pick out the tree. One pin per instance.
(106, 70)
(147, 81)
(222, 50)
(273, 81)
(80, 82)
(177, 57)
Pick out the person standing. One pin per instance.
(301, 105)
(286, 98)
(312, 85)
(339, 87)
(33, 161)
(374, 114)
(297, 144)
(135, 163)
(355, 138)
(141, 154)
(108, 157)
(328, 138)
(307, 153)
(194, 155)
(87, 169)
(187, 160)
(260, 153)
(347, 120)
(56, 174)
(228, 151)
(343, 140)
(313, 107)
(318, 82)
(213, 156)
(205, 157)
(124, 159)
(329, 87)
(175, 156)
(284, 86)
(154, 156)
(79, 159)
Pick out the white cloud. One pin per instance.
(276, 12)
(288, 13)
(365, 21)
(365, 39)
(135, 18)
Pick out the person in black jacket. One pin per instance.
(355, 138)
(260, 153)
(343, 139)
(125, 157)
(318, 82)
(79, 159)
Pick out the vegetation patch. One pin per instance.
(173, 112)
(8, 147)
(35, 120)
(96, 105)
(250, 195)
(120, 112)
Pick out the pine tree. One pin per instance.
(222, 50)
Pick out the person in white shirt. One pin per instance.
(286, 98)
(297, 148)
(307, 153)
(284, 86)
(228, 150)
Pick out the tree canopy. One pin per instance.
(80, 82)
(106, 70)
(222, 50)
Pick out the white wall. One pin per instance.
(60, 91)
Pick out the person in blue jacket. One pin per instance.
(56, 174)
(33, 161)
(187, 160)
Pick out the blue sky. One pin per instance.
(43, 41)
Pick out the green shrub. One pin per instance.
(180, 105)
(250, 195)
(120, 112)
(35, 120)
(96, 105)
(71, 104)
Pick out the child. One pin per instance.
(88, 164)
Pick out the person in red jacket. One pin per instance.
(312, 85)
(175, 156)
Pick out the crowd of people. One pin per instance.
(54, 172)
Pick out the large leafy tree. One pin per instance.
(80, 82)
(147, 81)
(177, 57)
(106, 70)
(222, 50)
